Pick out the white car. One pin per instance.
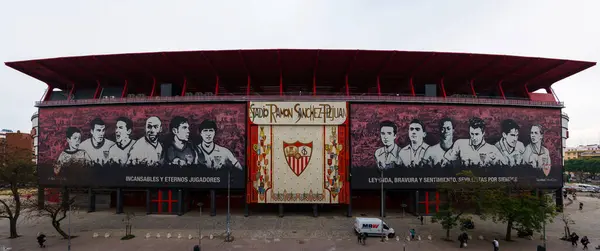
(372, 227)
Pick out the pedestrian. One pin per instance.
(359, 237)
(585, 242)
(196, 248)
(496, 244)
(412, 233)
(580, 205)
(41, 239)
(421, 218)
(463, 239)
(574, 239)
(363, 237)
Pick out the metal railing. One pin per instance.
(244, 98)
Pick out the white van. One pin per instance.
(372, 226)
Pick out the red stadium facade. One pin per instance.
(172, 131)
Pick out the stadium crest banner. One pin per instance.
(423, 146)
(298, 153)
(191, 145)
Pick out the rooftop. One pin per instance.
(307, 71)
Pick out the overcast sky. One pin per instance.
(544, 28)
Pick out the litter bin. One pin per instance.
(541, 248)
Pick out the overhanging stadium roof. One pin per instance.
(86, 71)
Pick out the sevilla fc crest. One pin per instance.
(297, 155)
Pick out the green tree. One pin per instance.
(522, 210)
(16, 169)
(583, 168)
(469, 194)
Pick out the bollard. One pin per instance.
(148, 235)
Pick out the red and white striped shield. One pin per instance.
(297, 155)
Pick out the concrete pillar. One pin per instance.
(417, 211)
(92, 198)
(383, 196)
(349, 213)
(280, 210)
(180, 202)
(119, 200)
(213, 202)
(148, 201)
(246, 209)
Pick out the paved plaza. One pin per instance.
(292, 232)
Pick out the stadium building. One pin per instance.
(295, 130)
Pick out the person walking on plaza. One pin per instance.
(463, 238)
(585, 242)
(41, 239)
(496, 244)
(574, 239)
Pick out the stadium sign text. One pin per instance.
(298, 113)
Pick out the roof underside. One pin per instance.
(269, 65)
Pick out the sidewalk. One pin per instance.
(269, 232)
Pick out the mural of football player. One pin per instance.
(180, 151)
(536, 154)
(215, 156)
(97, 146)
(435, 154)
(509, 145)
(119, 152)
(475, 151)
(412, 154)
(72, 153)
(388, 156)
(148, 150)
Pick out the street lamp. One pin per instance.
(199, 222)
(69, 240)
(381, 210)
(228, 238)
(543, 212)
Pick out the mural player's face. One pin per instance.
(416, 132)
(208, 135)
(387, 135)
(511, 137)
(98, 133)
(536, 135)
(476, 136)
(447, 130)
(74, 141)
(122, 133)
(182, 132)
(153, 128)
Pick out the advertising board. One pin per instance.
(299, 152)
(185, 145)
(422, 146)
